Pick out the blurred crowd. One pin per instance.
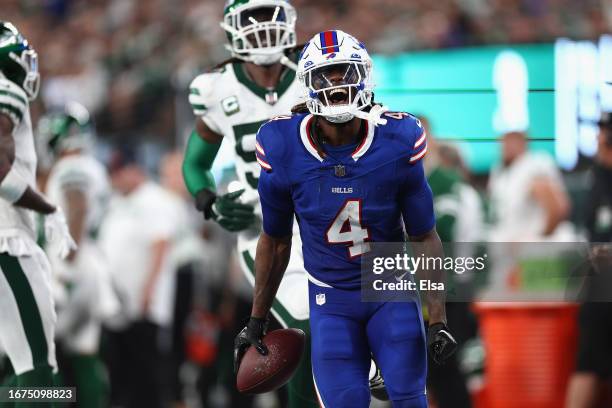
(126, 60)
(129, 62)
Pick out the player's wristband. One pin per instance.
(13, 186)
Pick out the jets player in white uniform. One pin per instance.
(27, 316)
(230, 104)
(79, 184)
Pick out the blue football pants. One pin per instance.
(347, 332)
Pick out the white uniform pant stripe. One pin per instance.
(13, 337)
(38, 272)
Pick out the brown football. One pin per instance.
(258, 374)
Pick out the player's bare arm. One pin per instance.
(29, 199)
(271, 261)
(554, 201)
(160, 251)
(430, 244)
(7, 145)
(206, 133)
(440, 342)
(76, 214)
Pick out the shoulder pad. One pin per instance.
(274, 138)
(202, 92)
(407, 130)
(13, 101)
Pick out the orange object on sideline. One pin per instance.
(530, 350)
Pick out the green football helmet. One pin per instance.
(259, 31)
(18, 60)
(67, 129)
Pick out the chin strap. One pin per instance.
(374, 115)
(288, 63)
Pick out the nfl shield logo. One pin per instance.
(320, 298)
(271, 97)
(340, 170)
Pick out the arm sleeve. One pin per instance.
(445, 225)
(274, 194)
(416, 202)
(197, 163)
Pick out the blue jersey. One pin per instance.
(344, 197)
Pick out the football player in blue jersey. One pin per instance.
(351, 174)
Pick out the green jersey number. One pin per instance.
(245, 147)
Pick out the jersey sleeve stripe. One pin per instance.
(196, 99)
(13, 95)
(197, 102)
(262, 157)
(10, 100)
(15, 114)
(419, 155)
(259, 148)
(199, 108)
(421, 140)
(263, 164)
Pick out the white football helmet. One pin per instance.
(259, 31)
(335, 70)
(68, 129)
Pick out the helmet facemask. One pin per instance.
(260, 32)
(18, 60)
(70, 129)
(337, 90)
(28, 60)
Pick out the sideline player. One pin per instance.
(351, 174)
(27, 317)
(230, 104)
(84, 295)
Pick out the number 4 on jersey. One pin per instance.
(347, 229)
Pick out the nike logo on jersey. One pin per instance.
(342, 190)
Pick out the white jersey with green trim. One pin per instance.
(84, 173)
(18, 223)
(234, 106)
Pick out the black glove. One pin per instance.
(204, 200)
(225, 209)
(440, 342)
(251, 335)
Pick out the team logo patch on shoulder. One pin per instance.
(230, 105)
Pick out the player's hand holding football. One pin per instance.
(226, 210)
(440, 343)
(58, 234)
(251, 335)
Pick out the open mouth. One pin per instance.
(338, 96)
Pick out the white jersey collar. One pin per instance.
(309, 144)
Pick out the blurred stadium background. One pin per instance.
(476, 69)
